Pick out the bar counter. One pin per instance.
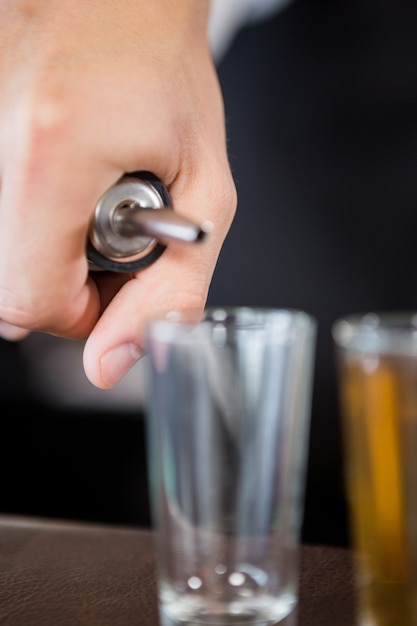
(55, 573)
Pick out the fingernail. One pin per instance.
(117, 362)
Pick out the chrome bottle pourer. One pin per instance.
(132, 224)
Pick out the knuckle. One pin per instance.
(44, 118)
(191, 297)
(224, 199)
(32, 313)
(229, 200)
(18, 311)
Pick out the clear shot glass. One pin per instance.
(377, 366)
(228, 416)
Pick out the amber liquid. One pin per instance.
(379, 404)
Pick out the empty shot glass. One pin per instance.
(228, 418)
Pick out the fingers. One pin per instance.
(44, 281)
(117, 341)
(12, 333)
(97, 99)
(178, 281)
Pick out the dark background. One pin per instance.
(321, 105)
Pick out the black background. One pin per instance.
(321, 105)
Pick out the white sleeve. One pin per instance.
(228, 16)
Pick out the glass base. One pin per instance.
(227, 620)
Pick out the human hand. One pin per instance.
(88, 92)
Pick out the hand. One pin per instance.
(88, 92)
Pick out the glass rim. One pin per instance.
(219, 313)
(277, 322)
(377, 331)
